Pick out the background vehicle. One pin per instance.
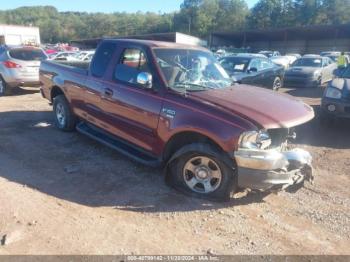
(332, 55)
(294, 54)
(64, 56)
(254, 70)
(336, 98)
(85, 55)
(171, 105)
(19, 66)
(270, 53)
(310, 71)
(284, 61)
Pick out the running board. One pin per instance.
(117, 144)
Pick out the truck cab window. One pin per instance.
(102, 59)
(132, 62)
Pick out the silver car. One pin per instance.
(310, 71)
(19, 66)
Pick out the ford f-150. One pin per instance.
(172, 105)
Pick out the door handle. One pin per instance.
(108, 92)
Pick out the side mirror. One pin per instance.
(253, 70)
(145, 79)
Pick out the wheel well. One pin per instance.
(56, 91)
(185, 138)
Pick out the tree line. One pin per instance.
(197, 17)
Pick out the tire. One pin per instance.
(202, 171)
(277, 83)
(65, 120)
(4, 87)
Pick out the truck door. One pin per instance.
(94, 87)
(132, 110)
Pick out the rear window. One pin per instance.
(27, 54)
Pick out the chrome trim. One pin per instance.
(271, 169)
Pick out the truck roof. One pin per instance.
(155, 44)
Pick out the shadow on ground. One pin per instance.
(20, 91)
(71, 167)
(306, 92)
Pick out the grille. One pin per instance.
(278, 136)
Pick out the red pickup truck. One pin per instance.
(171, 105)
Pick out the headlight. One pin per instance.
(255, 140)
(332, 92)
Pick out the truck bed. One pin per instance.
(72, 64)
(56, 73)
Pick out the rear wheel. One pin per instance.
(4, 88)
(64, 118)
(277, 84)
(200, 171)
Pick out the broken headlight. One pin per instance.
(255, 140)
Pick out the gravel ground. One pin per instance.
(62, 193)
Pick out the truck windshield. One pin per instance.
(192, 70)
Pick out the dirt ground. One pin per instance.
(62, 193)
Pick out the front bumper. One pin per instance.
(273, 170)
(300, 81)
(341, 107)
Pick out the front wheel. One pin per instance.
(277, 84)
(202, 171)
(64, 117)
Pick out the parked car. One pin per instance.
(284, 61)
(19, 66)
(85, 55)
(332, 55)
(64, 56)
(296, 55)
(270, 53)
(336, 98)
(172, 105)
(253, 70)
(310, 71)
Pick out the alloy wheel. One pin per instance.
(60, 115)
(202, 174)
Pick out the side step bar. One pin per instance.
(117, 144)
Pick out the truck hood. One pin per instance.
(267, 108)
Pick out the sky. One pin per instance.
(106, 6)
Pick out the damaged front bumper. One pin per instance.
(271, 169)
